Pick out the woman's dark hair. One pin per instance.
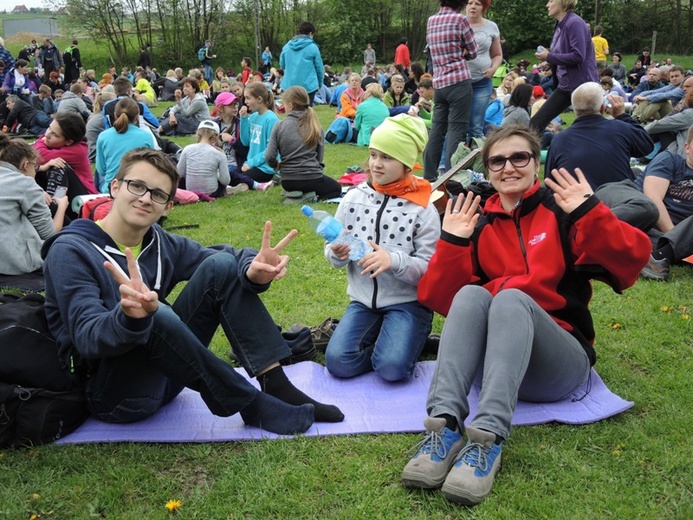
(193, 83)
(521, 96)
(618, 55)
(20, 63)
(306, 28)
(417, 70)
(72, 126)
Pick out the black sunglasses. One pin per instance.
(496, 163)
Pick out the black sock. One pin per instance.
(664, 252)
(275, 383)
(276, 416)
(450, 422)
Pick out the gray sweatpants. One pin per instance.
(516, 347)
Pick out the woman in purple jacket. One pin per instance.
(571, 57)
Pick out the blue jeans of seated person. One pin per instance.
(388, 340)
(135, 385)
(481, 94)
(39, 123)
(517, 348)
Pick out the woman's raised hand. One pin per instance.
(461, 219)
(569, 192)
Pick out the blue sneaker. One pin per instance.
(471, 478)
(433, 456)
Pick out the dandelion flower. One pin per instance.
(665, 308)
(173, 505)
(35, 496)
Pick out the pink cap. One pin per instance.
(225, 98)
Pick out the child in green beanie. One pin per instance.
(384, 327)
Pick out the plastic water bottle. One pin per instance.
(333, 232)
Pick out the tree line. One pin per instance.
(175, 29)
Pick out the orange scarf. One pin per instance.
(411, 188)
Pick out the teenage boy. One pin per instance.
(106, 289)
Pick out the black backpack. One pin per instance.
(39, 400)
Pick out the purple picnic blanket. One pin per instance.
(370, 404)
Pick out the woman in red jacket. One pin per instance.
(515, 284)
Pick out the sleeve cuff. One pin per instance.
(454, 239)
(584, 208)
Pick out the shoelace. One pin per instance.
(433, 441)
(475, 455)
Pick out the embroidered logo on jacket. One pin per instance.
(536, 239)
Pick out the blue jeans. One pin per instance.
(481, 94)
(450, 120)
(39, 123)
(135, 385)
(388, 340)
(209, 74)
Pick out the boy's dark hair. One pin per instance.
(122, 86)
(155, 158)
(248, 61)
(306, 28)
(20, 63)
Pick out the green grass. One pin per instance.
(635, 465)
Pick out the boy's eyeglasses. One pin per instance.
(496, 163)
(139, 188)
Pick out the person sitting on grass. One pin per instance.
(30, 119)
(257, 120)
(351, 97)
(226, 106)
(296, 148)
(64, 157)
(668, 181)
(370, 114)
(44, 100)
(384, 328)
(514, 283)
(107, 284)
(72, 102)
(202, 165)
(112, 144)
(190, 109)
(395, 95)
(28, 215)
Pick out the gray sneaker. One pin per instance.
(656, 269)
(433, 456)
(471, 478)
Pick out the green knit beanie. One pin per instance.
(402, 137)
